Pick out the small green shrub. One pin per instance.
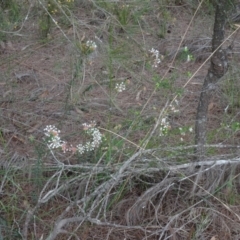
(10, 15)
(53, 8)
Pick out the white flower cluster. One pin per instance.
(155, 54)
(52, 133)
(54, 141)
(91, 44)
(183, 132)
(120, 87)
(96, 138)
(164, 127)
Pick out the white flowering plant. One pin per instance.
(87, 47)
(54, 141)
(183, 132)
(156, 57)
(164, 127)
(120, 87)
(165, 124)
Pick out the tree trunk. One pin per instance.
(217, 69)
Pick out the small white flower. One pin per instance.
(182, 132)
(89, 126)
(91, 44)
(155, 54)
(190, 129)
(164, 127)
(89, 146)
(54, 140)
(51, 130)
(120, 87)
(80, 148)
(164, 121)
(96, 138)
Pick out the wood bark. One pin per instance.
(218, 68)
